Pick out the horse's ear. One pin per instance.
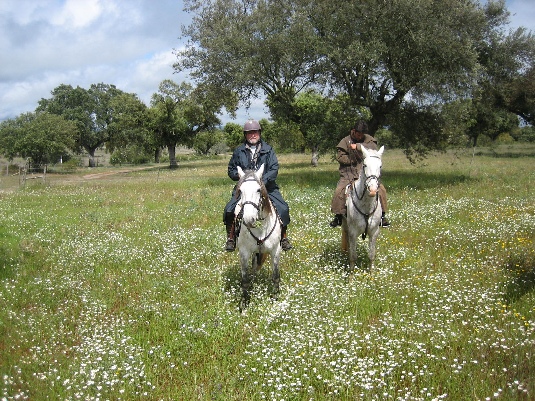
(240, 172)
(259, 172)
(365, 152)
(380, 152)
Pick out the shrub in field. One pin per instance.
(131, 155)
(526, 134)
(504, 137)
(71, 164)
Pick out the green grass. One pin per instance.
(119, 288)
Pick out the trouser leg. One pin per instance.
(383, 198)
(384, 205)
(230, 225)
(338, 203)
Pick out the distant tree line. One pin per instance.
(425, 75)
(78, 120)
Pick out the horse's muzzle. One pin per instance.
(251, 224)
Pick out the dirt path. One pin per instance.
(13, 182)
(108, 173)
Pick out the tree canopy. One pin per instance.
(42, 137)
(92, 110)
(181, 111)
(390, 57)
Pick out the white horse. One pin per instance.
(363, 207)
(259, 230)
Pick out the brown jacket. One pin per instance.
(350, 165)
(351, 159)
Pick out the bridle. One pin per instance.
(367, 181)
(259, 207)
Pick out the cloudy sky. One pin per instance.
(127, 43)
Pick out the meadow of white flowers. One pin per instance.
(121, 290)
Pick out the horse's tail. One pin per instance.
(261, 259)
(258, 261)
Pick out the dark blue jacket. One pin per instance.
(242, 157)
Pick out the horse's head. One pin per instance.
(253, 196)
(371, 169)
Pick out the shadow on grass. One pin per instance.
(422, 180)
(262, 285)
(506, 154)
(337, 261)
(521, 267)
(393, 180)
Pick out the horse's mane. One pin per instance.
(263, 191)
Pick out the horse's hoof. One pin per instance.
(243, 305)
(244, 301)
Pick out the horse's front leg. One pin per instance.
(275, 275)
(246, 279)
(352, 243)
(371, 246)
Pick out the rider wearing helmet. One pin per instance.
(250, 155)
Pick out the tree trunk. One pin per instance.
(172, 156)
(315, 156)
(157, 154)
(91, 154)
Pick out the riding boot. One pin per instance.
(337, 221)
(230, 246)
(384, 206)
(384, 221)
(285, 242)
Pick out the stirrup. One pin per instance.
(384, 222)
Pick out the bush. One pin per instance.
(13, 168)
(210, 142)
(386, 138)
(526, 134)
(71, 163)
(484, 140)
(118, 157)
(130, 155)
(504, 137)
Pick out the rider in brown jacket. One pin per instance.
(349, 155)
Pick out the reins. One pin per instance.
(258, 207)
(366, 181)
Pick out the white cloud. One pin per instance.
(23, 96)
(146, 74)
(24, 11)
(78, 13)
